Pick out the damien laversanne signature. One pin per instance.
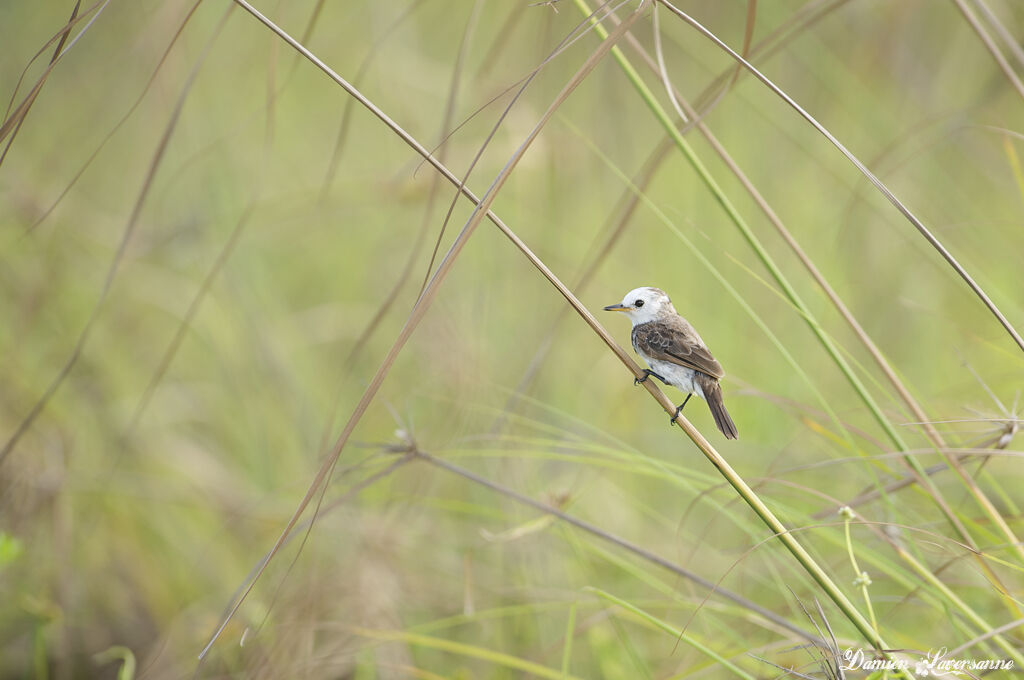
(934, 663)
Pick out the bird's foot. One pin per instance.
(679, 410)
(647, 374)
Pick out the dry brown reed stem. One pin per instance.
(748, 38)
(13, 121)
(117, 126)
(637, 550)
(577, 33)
(421, 234)
(991, 46)
(628, 202)
(122, 248)
(771, 44)
(904, 210)
(334, 503)
(1011, 42)
(481, 210)
(67, 31)
(474, 15)
(364, 67)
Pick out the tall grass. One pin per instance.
(210, 250)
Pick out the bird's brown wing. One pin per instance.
(675, 341)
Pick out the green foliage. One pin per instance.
(10, 549)
(118, 653)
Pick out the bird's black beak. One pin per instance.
(617, 307)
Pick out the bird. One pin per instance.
(674, 351)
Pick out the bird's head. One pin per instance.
(643, 304)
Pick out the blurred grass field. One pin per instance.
(238, 333)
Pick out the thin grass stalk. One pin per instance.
(364, 67)
(954, 653)
(629, 201)
(334, 504)
(771, 44)
(669, 595)
(904, 210)
(13, 121)
(1007, 37)
(421, 235)
(117, 126)
(681, 635)
(949, 594)
(66, 33)
(883, 566)
(429, 293)
(576, 34)
(991, 46)
(570, 633)
(904, 579)
(600, 533)
(929, 577)
(463, 47)
(923, 479)
(878, 529)
(933, 435)
(186, 320)
(468, 651)
(861, 575)
(122, 247)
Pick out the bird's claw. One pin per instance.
(672, 420)
(647, 374)
(679, 409)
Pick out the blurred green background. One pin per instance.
(160, 472)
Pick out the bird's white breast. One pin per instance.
(678, 376)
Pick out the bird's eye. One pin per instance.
(639, 303)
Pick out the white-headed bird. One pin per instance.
(675, 352)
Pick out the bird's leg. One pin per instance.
(680, 409)
(647, 374)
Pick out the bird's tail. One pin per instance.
(713, 395)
